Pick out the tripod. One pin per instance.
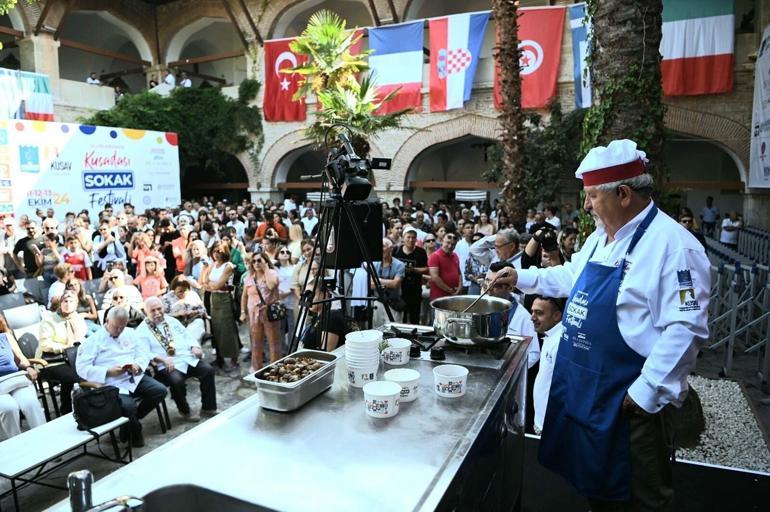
(335, 210)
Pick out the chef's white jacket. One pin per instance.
(542, 386)
(100, 352)
(662, 305)
(521, 325)
(183, 344)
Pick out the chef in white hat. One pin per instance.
(634, 321)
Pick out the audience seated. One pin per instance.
(115, 356)
(177, 356)
(184, 304)
(59, 331)
(121, 297)
(17, 391)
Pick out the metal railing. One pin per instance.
(739, 314)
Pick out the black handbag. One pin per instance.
(275, 311)
(94, 407)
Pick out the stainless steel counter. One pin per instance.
(328, 454)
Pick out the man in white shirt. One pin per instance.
(546, 316)
(169, 79)
(93, 80)
(503, 246)
(519, 322)
(185, 82)
(634, 322)
(551, 218)
(463, 250)
(237, 223)
(114, 356)
(309, 221)
(8, 239)
(730, 227)
(177, 357)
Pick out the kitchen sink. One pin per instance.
(191, 498)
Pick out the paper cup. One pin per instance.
(450, 380)
(381, 399)
(397, 351)
(359, 376)
(409, 380)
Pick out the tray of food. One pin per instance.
(291, 382)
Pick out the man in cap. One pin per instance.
(634, 321)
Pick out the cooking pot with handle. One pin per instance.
(484, 324)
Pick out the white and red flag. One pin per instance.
(540, 34)
(278, 104)
(455, 48)
(396, 63)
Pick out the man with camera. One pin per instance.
(114, 356)
(177, 357)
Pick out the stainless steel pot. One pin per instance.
(485, 323)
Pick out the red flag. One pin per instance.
(540, 33)
(277, 104)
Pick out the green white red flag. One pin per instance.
(697, 46)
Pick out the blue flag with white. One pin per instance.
(580, 27)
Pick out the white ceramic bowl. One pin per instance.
(360, 375)
(397, 351)
(409, 380)
(381, 399)
(450, 380)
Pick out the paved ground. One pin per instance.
(231, 390)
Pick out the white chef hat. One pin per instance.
(619, 160)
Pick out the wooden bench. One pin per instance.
(42, 450)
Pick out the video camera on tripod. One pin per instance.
(348, 173)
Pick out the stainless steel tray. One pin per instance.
(284, 397)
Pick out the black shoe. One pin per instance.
(137, 440)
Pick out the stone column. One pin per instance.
(40, 54)
(756, 205)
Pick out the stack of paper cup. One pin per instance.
(362, 355)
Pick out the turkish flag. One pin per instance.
(540, 34)
(277, 104)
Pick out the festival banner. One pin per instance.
(759, 163)
(71, 167)
(277, 104)
(540, 36)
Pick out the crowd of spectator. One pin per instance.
(164, 281)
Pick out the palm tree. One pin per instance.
(626, 78)
(511, 116)
(336, 73)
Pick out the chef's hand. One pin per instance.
(169, 362)
(115, 371)
(630, 408)
(197, 352)
(508, 275)
(135, 370)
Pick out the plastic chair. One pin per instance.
(22, 316)
(38, 290)
(11, 300)
(28, 343)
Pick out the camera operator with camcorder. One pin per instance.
(541, 251)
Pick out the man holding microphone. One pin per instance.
(634, 322)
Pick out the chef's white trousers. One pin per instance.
(22, 399)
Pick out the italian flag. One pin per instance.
(697, 46)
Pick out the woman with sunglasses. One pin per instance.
(217, 279)
(260, 290)
(286, 293)
(86, 304)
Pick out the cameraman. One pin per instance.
(541, 251)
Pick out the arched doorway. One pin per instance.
(702, 167)
(231, 183)
(292, 21)
(9, 54)
(439, 171)
(208, 37)
(291, 167)
(100, 29)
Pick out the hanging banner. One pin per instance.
(759, 164)
(25, 95)
(580, 29)
(540, 34)
(72, 167)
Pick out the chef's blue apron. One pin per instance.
(585, 438)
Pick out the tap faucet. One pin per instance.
(79, 484)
